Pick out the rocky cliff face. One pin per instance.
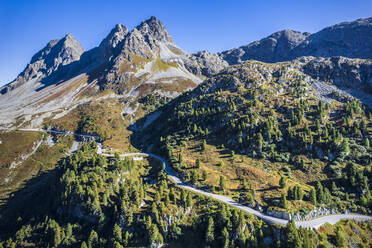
(149, 60)
(348, 39)
(341, 71)
(274, 48)
(55, 54)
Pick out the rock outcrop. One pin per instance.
(273, 48)
(348, 39)
(55, 54)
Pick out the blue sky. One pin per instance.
(27, 25)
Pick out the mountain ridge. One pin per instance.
(145, 60)
(349, 39)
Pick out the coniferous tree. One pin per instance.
(284, 201)
(313, 196)
(225, 238)
(293, 238)
(222, 183)
(209, 235)
(340, 237)
(283, 182)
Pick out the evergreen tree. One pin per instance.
(366, 142)
(260, 142)
(225, 238)
(319, 192)
(209, 235)
(313, 196)
(222, 183)
(283, 182)
(117, 233)
(293, 239)
(340, 237)
(204, 175)
(284, 201)
(198, 163)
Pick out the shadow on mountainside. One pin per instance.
(90, 63)
(34, 201)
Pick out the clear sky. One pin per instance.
(27, 25)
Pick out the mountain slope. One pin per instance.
(132, 64)
(348, 39)
(55, 54)
(255, 123)
(273, 48)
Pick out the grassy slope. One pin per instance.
(18, 143)
(223, 112)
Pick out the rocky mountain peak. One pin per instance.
(67, 49)
(292, 37)
(349, 39)
(270, 49)
(52, 56)
(153, 28)
(115, 36)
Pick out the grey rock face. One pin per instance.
(348, 39)
(274, 48)
(113, 40)
(205, 63)
(55, 54)
(342, 72)
(151, 41)
(153, 29)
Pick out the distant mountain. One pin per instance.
(348, 39)
(270, 49)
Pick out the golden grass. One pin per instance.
(45, 158)
(107, 120)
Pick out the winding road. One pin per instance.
(314, 223)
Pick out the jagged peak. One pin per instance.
(115, 36)
(69, 36)
(58, 46)
(155, 28)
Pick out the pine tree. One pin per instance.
(204, 145)
(117, 245)
(313, 196)
(319, 192)
(209, 235)
(284, 201)
(189, 200)
(283, 182)
(225, 238)
(117, 233)
(345, 146)
(260, 142)
(198, 163)
(84, 245)
(340, 237)
(293, 239)
(221, 163)
(126, 239)
(204, 175)
(366, 142)
(222, 183)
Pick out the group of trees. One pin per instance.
(298, 132)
